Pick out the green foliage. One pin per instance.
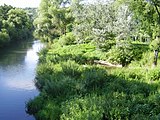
(147, 15)
(155, 45)
(53, 20)
(43, 110)
(145, 61)
(50, 112)
(68, 39)
(107, 45)
(94, 77)
(87, 108)
(15, 24)
(76, 91)
(93, 22)
(33, 106)
(71, 68)
(79, 53)
(125, 52)
(19, 24)
(154, 74)
(4, 37)
(138, 49)
(71, 86)
(121, 53)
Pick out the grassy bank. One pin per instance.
(73, 87)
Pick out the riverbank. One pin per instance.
(72, 86)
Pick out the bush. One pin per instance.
(43, 109)
(33, 106)
(87, 108)
(83, 53)
(154, 74)
(4, 38)
(71, 68)
(68, 39)
(121, 55)
(94, 77)
(125, 52)
(114, 107)
(62, 87)
(107, 45)
(139, 49)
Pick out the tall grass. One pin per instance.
(73, 88)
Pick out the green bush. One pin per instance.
(130, 73)
(83, 108)
(51, 111)
(122, 53)
(83, 53)
(145, 61)
(94, 77)
(35, 105)
(139, 49)
(68, 39)
(63, 87)
(154, 74)
(125, 52)
(71, 68)
(42, 109)
(4, 38)
(107, 45)
(114, 107)
(44, 73)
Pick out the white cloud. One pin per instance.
(21, 3)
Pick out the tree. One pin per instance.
(101, 22)
(94, 22)
(147, 15)
(18, 24)
(53, 20)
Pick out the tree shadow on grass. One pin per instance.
(102, 96)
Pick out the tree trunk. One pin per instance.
(155, 58)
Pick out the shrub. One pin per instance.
(4, 37)
(83, 53)
(84, 108)
(48, 73)
(125, 52)
(68, 39)
(33, 106)
(62, 87)
(51, 111)
(139, 49)
(154, 74)
(114, 107)
(121, 53)
(107, 45)
(71, 68)
(94, 77)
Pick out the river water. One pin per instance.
(17, 73)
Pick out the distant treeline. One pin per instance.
(15, 24)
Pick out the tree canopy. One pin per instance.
(15, 24)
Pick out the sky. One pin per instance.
(28, 3)
(21, 3)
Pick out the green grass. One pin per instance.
(73, 88)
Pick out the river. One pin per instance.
(17, 73)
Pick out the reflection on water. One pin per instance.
(17, 72)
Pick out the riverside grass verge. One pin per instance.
(72, 87)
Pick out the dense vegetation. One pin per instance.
(15, 24)
(72, 85)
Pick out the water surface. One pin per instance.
(17, 73)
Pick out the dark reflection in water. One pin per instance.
(17, 72)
